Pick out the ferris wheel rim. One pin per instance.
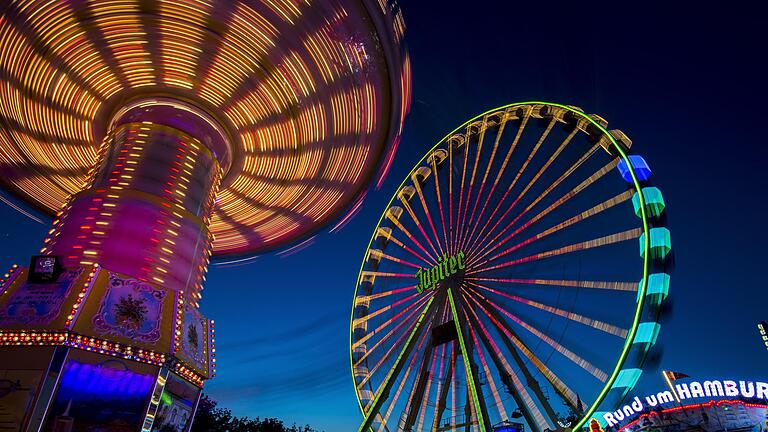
(642, 286)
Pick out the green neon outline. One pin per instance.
(397, 361)
(646, 259)
(467, 366)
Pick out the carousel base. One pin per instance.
(94, 350)
(58, 389)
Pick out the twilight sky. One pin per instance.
(684, 83)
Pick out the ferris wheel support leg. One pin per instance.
(507, 379)
(389, 381)
(530, 380)
(441, 403)
(421, 380)
(468, 414)
(470, 368)
(420, 387)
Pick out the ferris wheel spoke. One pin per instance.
(547, 164)
(541, 171)
(410, 236)
(512, 381)
(499, 133)
(399, 390)
(375, 274)
(382, 360)
(593, 323)
(383, 392)
(519, 174)
(576, 247)
(427, 391)
(379, 255)
(400, 323)
(461, 190)
(478, 151)
(386, 308)
(583, 216)
(494, 244)
(533, 153)
(489, 376)
(509, 337)
(375, 368)
(601, 375)
(505, 163)
(416, 395)
(480, 247)
(427, 212)
(433, 162)
(416, 220)
(439, 389)
(388, 235)
(587, 182)
(478, 403)
(367, 298)
(605, 285)
(591, 179)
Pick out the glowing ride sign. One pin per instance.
(447, 266)
(692, 390)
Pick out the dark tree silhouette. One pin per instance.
(212, 418)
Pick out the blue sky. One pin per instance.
(686, 85)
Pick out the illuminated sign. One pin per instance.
(690, 390)
(713, 415)
(762, 326)
(446, 267)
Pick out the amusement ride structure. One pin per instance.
(161, 134)
(517, 272)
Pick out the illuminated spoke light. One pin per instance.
(589, 244)
(491, 382)
(587, 366)
(596, 324)
(400, 388)
(557, 383)
(483, 249)
(559, 227)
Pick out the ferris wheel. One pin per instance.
(517, 272)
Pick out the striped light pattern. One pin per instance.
(552, 309)
(310, 93)
(146, 209)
